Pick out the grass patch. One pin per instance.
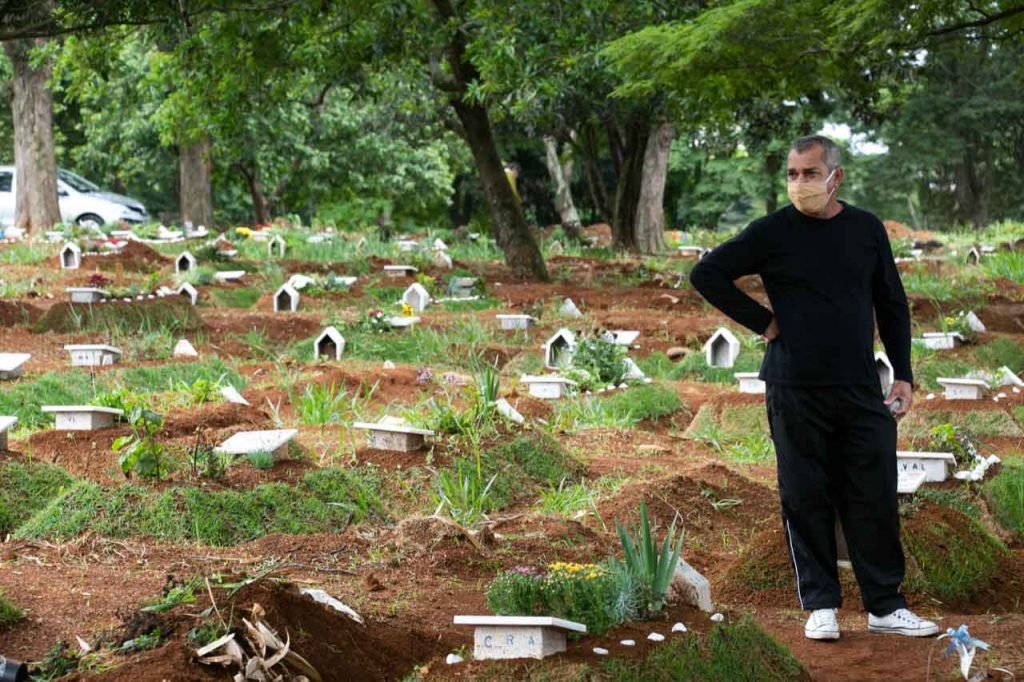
(236, 297)
(25, 488)
(171, 315)
(950, 556)
(9, 613)
(754, 449)
(1001, 352)
(1005, 496)
(740, 422)
(998, 423)
(934, 365)
(694, 367)
(740, 651)
(1008, 264)
(169, 377)
(326, 500)
(621, 409)
(24, 397)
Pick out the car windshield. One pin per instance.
(77, 181)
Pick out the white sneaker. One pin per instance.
(822, 625)
(902, 622)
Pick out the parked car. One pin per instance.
(80, 201)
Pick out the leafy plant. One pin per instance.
(139, 451)
(463, 494)
(320, 404)
(181, 593)
(652, 567)
(9, 613)
(201, 390)
(603, 359)
(261, 459)
(949, 438)
(1005, 494)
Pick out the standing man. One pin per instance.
(828, 270)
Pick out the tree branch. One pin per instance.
(984, 21)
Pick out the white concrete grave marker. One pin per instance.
(942, 340)
(228, 276)
(400, 270)
(329, 343)
(407, 245)
(506, 410)
(87, 294)
(247, 442)
(394, 433)
(692, 587)
(416, 296)
(82, 417)
(502, 637)
(909, 480)
(92, 354)
(461, 286)
(962, 389)
(286, 299)
(974, 322)
(185, 262)
(516, 321)
(749, 383)
(184, 349)
(402, 321)
(11, 364)
(935, 465)
(443, 260)
(1008, 378)
(276, 244)
(722, 349)
(624, 337)
(70, 257)
(692, 251)
(440, 245)
(885, 372)
(548, 387)
(6, 423)
(231, 394)
(189, 292)
(300, 282)
(559, 349)
(974, 256)
(569, 309)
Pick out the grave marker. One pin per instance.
(402, 321)
(569, 309)
(92, 354)
(247, 442)
(548, 387)
(909, 480)
(461, 286)
(942, 340)
(407, 245)
(559, 349)
(400, 270)
(82, 417)
(70, 257)
(277, 244)
(11, 364)
(749, 383)
(87, 294)
(184, 349)
(189, 292)
(722, 349)
(228, 275)
(885, 372)
(935, 465)
(692, 251)
(6, 423)
(516, 321)
(286, 299)
(963, 389)
(394, 434)
(185, 262)
(330, 342)
(504, 637)
(417, 297)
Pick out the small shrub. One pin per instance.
(653, 568)
(463, 494)
(261, 459)
(320, 405)
(754, 449)
(9, 613)
(140, 453)
(949, 438)
(603, 361)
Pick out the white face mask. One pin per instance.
(810, 198)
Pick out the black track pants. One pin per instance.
(836, 451)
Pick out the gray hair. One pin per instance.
(832, 153)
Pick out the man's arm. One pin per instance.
(893, 315)
(713, 278)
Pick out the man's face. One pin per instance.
(809, 166)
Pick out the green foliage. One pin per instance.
(1000, 352)
(139, 452)
(622, 409)
(740, 651)
(954, 439)
(653, 568)
(569, 499)
(602, 360)
(941, 288)
(170, 315)
(463, 494)
(25, 397)
(1005, 495)
(540, 457)
(694, 367)
(756, 448)
(320, 404)
(598, 595)
(9, 612)
(181, 593)
(25, 488)
(200, 391)
(240, 297)
(261, 459)
(1006, 264)
(169, 376)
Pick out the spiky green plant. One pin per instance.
(654, 569)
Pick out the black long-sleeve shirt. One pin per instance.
(824, 279)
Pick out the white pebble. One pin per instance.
(452, 659)
(930, 396)
(678, 627)
(717, 618)
(995, 399)
(628, 642)
(388, 364)
(600, 652)
(656, 637)
(1015, 389)
(1002, 395)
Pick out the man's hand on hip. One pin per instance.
(772, 331)
(903, 392)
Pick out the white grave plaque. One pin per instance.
(400, 270)
(394, 434)
(11, 364)
(935, 465)
(247, 442)
(963, 389)
(909, 480)
(82, 417)
(92, 355)
(546, 387)
(942, 340)
(87, 294)
(516, 321)
(502, 637)
(749, 383)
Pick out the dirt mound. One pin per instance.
(135, 257)
(898, 231)
(425, 533)
(14, 314)
(279, 330)
(173, 313)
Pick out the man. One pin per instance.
(828, 270)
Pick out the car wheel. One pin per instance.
(89, 220)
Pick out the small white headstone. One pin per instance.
(633, 372)
(516, 321)
(6, 423)
(92, 355)
(11, 364)
(329, 343)
(87, 294)
(189, 292)
(942, 340)
(440, 245)
(231, 394)
(228, 275)
(417, 297)
(503, 637)
(749, 383)
(962, 389)
(184, 349)
(935, 465)
(407, 245)
(82, 417)
(276, 247)
(909, 480)
(722, 349)
(558, 349)
(1008, 378)
(300, 282)
(443, 260)
(70, 257)
(569, 309)
(247, 442)
(185, 262)
(506, 410)
(394, 434)
(692, 587)
(548, 387)
(286, 299)
(974, 323)
(400, 270)
(402, 322)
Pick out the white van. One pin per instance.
(80, 201)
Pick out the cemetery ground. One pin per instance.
(110, 575)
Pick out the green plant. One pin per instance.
(9, 613)
(1005, 494)
(204, 461)
(653, 568)
(463, 494)
(1001, 352)
(950, 438)
(25, 488)
(181, 593)
(604, 360)
(261, 459)
(201, 390)
(754, 449)
(139, 451)
(569, 499)
(320, 405)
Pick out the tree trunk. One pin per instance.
(592, 171)
(260, 213)
(510, 229)
(772, 166)
(561, 175)
(195, 169)
(629, 185)
(650, 210)
(35, 163)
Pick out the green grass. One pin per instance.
(1007, 264)
(962, 287)
(1005, 496)
(620, 409)
(168, 377)
(236, 297)
(982, 423)
(27, 254)
(25, 488)
(740, 422)
(754, 449)
(740, 651)
(326, 500)
(934, 365)
(24, 397)
(1001, 352)
(172, 314)
(694, 366)
(9, 613)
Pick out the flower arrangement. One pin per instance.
(376, 321)
(959, 323)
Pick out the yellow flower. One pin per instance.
(407, 310)
(243, 231)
